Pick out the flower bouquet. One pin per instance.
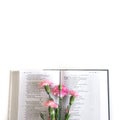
(58, 92)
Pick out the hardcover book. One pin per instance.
(26, 97)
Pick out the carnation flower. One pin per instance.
(51, 104)
(73, 93)
(60, 91)
(45, 83)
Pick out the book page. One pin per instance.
(87, 84)
(13, 95)
(31, 96)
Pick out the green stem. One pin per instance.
(60, 108)
(52, 113)
(60, 102)
(56, 113)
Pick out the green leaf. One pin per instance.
(42, 116)
(67, 116)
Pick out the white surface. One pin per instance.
(60, 34)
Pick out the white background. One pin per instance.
(38, 34)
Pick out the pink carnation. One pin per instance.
(51, 103)
(57, 92)
(73, 93)
(45, 83)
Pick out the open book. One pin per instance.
(26, 97)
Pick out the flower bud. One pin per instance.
(60, 87)
(47, 89)
(72, 98)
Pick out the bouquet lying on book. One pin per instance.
(57, 92)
